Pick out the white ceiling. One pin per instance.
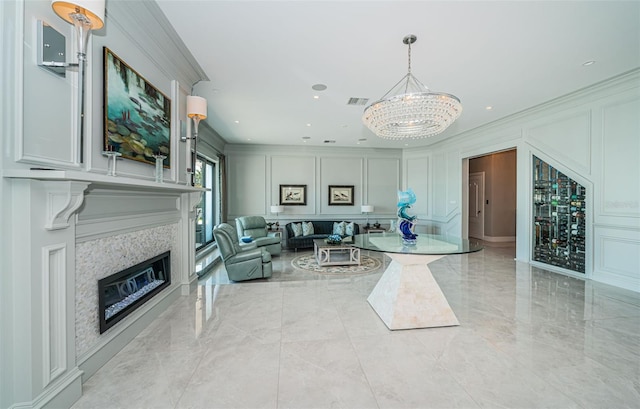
(262, 58)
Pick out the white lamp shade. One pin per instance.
(366, 209)
(277, 209)
(93, 9)
(196, 106)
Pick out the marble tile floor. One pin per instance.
(528, 338)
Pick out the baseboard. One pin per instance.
(499, 239)
(62, 394)
(617, 280)
(191, 286)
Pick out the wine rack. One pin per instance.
(559, 218)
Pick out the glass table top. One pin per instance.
(426, 244)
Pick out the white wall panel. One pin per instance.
(567, 138)
(417, 178)
(340, 171)
(47, 96)
(246, 181)
(383, 183)
(106, 212)
(620, 158)
(54, 312)
(617, 257)
(439, 190)
(101, 204)
(453, 184)
(294, 170)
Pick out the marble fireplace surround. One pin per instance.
(82, 227)
(100, 258)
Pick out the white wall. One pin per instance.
(255, 174)
(592, 136)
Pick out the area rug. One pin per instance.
(308, 262)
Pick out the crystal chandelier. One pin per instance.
(410, 110)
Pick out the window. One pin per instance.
(207, 210)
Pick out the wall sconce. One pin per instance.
(366, 209)
(85, 15)
(196, 110)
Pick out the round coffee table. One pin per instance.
(407, 296)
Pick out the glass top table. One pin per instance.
(426, 244)
(407, 296)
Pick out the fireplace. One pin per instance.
(122, 293)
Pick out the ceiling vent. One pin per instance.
(357, 101)
(329, 141)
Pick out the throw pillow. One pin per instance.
(297, 229)
(307, 228)
(348, 230)
(338, 228)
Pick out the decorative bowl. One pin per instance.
(334, 239)
(246, 239)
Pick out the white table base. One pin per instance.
(407, 296)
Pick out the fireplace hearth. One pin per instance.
(122, 293)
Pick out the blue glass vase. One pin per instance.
(406, 223)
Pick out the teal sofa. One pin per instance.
(321, 230)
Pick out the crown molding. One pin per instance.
(155, 37)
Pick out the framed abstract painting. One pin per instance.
(137, 116)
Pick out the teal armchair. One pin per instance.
(256, 227)
(241, 264)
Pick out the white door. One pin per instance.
(476, 205)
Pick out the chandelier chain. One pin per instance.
(409, 54)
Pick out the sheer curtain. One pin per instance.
(222, 163)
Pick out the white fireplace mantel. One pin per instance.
(97, 179)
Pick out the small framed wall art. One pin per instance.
(340, 195)
(293, 195)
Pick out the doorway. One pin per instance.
(491, 197)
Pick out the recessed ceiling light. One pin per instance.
(488, 107)
(319, 87)
(316, 97)
(237, 122)
(308, 124)
(588, 63)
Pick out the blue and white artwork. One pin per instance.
(137, 115)
(406, 223)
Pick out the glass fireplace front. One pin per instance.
(121, 293)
